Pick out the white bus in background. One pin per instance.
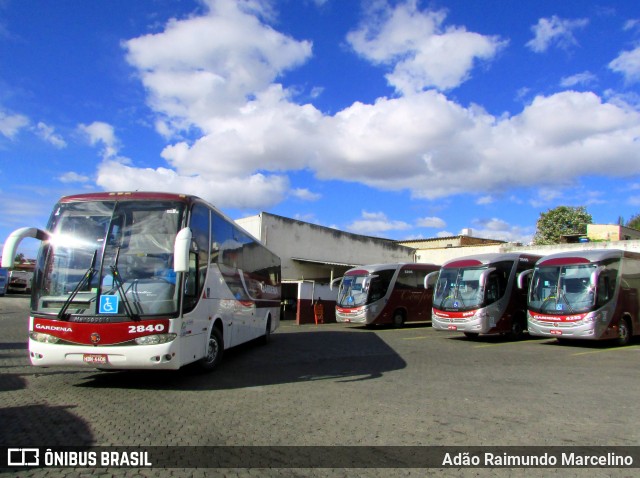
(479, 294)
(591, 295)
(385, 294)
(145, 281)
(20, 281)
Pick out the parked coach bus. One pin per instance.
(586, 295)
(145, 281)
(385, 294)
(480, 295)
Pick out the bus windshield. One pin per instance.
(562, 290)
(459, 289)
(359, 290)
(109, 257)
(470, 288)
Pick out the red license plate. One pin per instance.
(95, 358)
(556, 332)
(452, 327)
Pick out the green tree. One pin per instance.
(634, 222)
(560, 221)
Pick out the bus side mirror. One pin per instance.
(522, 277)
(430, 279)
(14, 239)
(334, 281)
(483, 277)
(181, 250)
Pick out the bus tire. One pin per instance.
(624, 332)
(215, 349)
(398, 318)
(517, 329)
(266, 338)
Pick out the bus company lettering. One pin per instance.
(52, 328)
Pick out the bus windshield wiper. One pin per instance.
(86, 279)
(119, 286)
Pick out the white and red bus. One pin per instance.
(385, 294)
(145, 280)
(586, 295)
(479, 295)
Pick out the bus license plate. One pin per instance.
(95, 358)
(556, 332)
(452, 327)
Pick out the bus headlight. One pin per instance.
(155, 339)
(44, 338)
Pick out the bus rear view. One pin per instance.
(586, 295)
(479, 295)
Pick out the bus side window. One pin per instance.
(198, 256)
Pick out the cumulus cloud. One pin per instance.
(422, 52)
(628, 64)
(376, 223)
(431, 222)
(555, 31)
(214, 77)
(305, 195)
(11, 124)
(495, 228)
(103, 134)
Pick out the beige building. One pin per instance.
(611, 232)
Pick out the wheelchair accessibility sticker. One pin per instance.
(109, 304)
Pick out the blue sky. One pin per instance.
(398, 119)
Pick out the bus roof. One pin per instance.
(585, 257)
(370, 268)
(129, 195)
(477, 260)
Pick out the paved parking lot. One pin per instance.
(331, 385)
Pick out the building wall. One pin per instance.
(440, 256)
(321, 249)
(611, 232)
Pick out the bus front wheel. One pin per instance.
(624, 332)
(215, 348)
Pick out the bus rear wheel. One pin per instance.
(215, 348)
(517, 329)
(398, 318)
(624, 332)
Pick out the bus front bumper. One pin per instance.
(475, 324)
(158, 357)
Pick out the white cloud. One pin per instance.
(305, 195)
(421, 50)
(255, 192)
(202, 68)
(501, 230)
(11, 124)
(252, 132)
(376, 223)
(72, 177)
(628, 64)
(584, 78)
(431, 222)
(555, 31)
(485, 200)
(100, 133)
(48, 134)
